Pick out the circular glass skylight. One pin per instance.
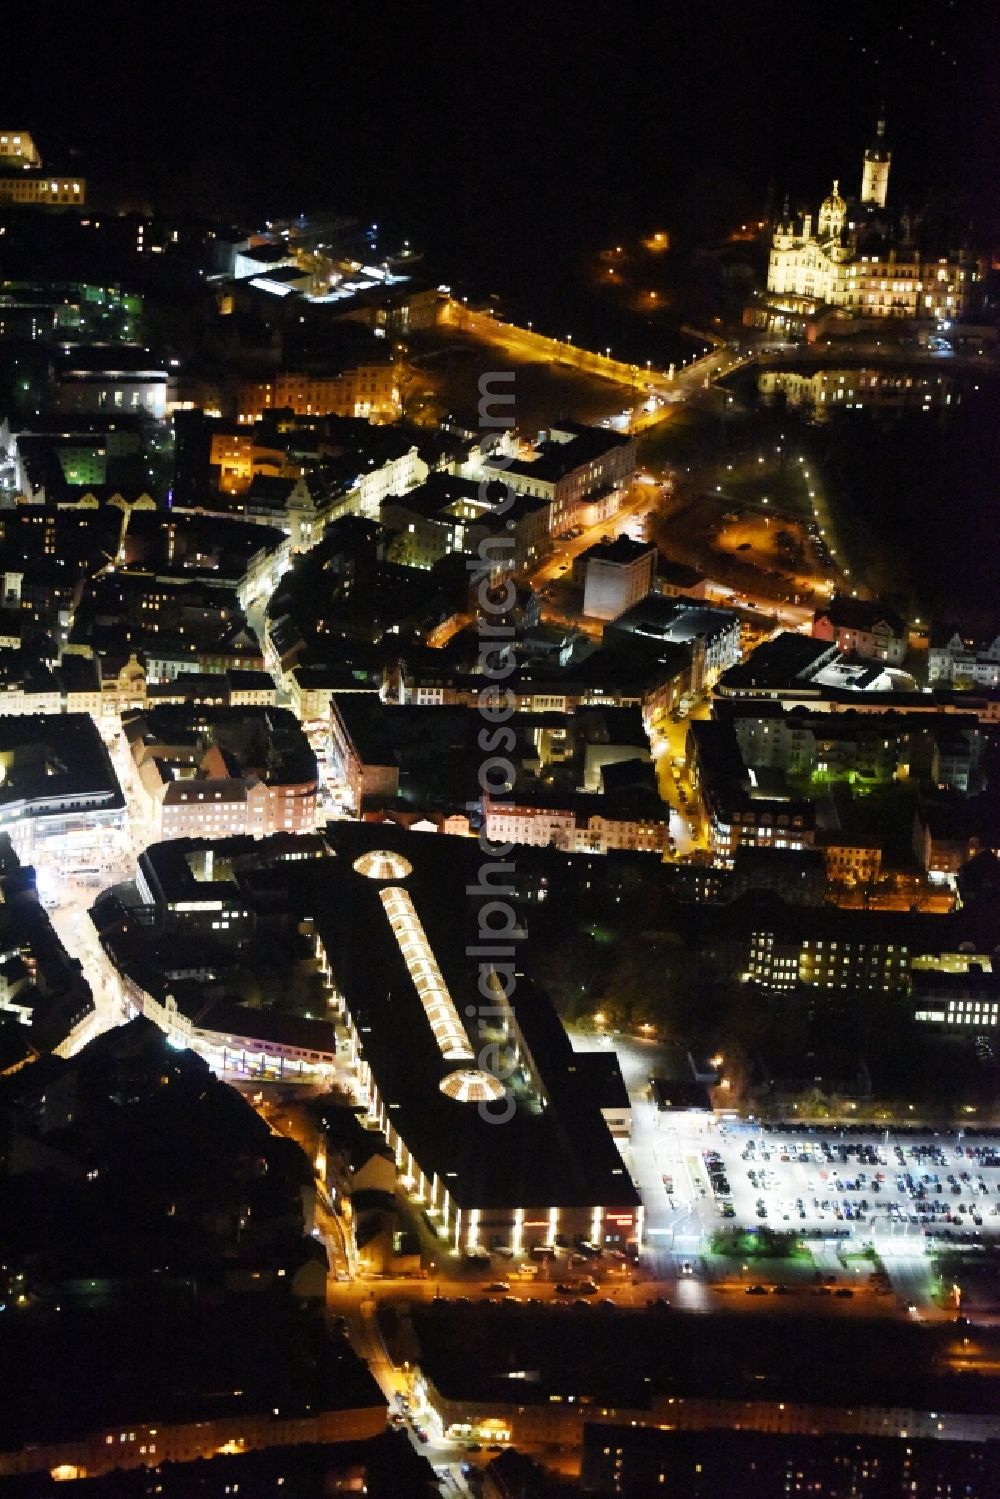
(471, 1085)
(383, 864)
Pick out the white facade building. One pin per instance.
(964, 662)
(863, 627)
(373, 485)
(616, 576)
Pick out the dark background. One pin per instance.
(507, 129)
(509, 141)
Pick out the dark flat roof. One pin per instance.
(626, 1357)
(561, 1156)
(787, 659)
(679, 620)
(622, 551)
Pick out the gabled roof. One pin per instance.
(846, 613)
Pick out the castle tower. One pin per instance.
(832, 214)
(875, 172)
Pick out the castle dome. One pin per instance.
(833, 202)
(832, 213)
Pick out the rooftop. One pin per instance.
(788, 660)
(848, 613)
(659, 618)
(48, 756)
(622, 551)
(630, 1358)
(568, 446)
(400, 950)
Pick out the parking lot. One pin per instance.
(874, 1185)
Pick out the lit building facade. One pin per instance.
(823, 392)
(956, 992)
(577, 829)
(367, 390)
(144, 1445)
(102, 392)
(23, 184)
(196, 770)
(560, 1419)
(778, 961)
(34, 191)
(18, 149)
(582, 471)
(240, 455)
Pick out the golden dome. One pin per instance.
(833, 202)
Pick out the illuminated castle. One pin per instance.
(859, 258)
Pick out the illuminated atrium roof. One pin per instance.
(439, 1007)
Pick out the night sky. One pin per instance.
(484, 127)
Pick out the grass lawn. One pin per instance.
(784, 489)
(687, 434)
(760, 1244)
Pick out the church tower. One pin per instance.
(875, 173)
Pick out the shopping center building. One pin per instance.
(501, 1132)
